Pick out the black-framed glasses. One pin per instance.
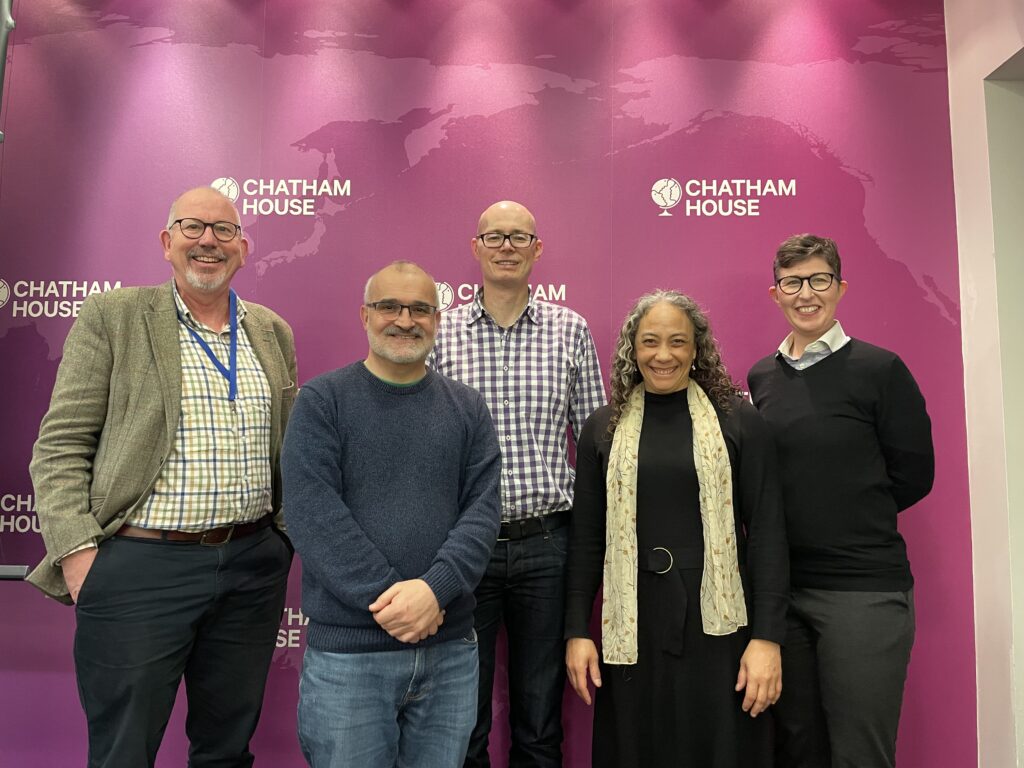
(193, 229)
(392, 310)
(497, 239)
(819, 281)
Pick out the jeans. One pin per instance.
(389, 709)
(153, 612)
(524, 588)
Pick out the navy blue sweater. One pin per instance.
(385, 483)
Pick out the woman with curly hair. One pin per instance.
(677, 507)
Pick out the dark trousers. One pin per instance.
(844, 664)
(524, 588)
(152, 612)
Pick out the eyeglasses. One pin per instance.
(392, 310)
(819, 281)
(193, 229)
(497, 239)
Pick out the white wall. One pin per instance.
(982, 35)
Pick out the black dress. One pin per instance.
(676, 706)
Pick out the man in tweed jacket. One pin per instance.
(157, 482)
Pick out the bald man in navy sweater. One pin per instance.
(391, 484)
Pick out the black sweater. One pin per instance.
(855, 448)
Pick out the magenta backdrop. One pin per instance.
(429, 112)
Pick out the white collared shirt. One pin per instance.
(830, 341)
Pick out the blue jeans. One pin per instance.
(524, 588)
(390, 709)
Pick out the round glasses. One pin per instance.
(819, 281)
(497, 239)
(193, 229)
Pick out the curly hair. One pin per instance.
(708, 370)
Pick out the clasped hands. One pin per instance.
(408, 611)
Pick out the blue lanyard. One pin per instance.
(231, 374)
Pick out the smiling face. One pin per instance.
(399, 345)
(809, 313)
(665, 347)
(203, 266)
(506, 265)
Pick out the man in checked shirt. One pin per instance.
(536, 366)
(157, 479)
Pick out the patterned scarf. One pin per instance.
(722, 606)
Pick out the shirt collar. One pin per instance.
(185, 313)
(477, 310)
(830, 340)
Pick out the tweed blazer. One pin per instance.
(115, 411)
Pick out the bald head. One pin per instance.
(506, 209)
(506, 263)
(202, 196)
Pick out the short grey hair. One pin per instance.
(402, 265)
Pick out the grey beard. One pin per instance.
(378, 343)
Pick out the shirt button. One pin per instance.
(510, 471)
(505, 368)
(508, 437)
(506, 402)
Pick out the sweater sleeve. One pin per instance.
(586, 528)
(905, 434)
(333, 548)
(760, 505)
(462, 559)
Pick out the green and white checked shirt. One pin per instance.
(218, 471)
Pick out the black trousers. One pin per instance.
(844, 664)
(153, 612)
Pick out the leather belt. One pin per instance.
(211, 538)
(511, 530)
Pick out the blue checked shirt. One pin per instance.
(218, 471)
(539, 376)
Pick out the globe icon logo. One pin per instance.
(666, 193)
(445, 295)
(227, 187)
(5, 292)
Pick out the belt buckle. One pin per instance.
(671, 560)
(504, 524)
(205, 543)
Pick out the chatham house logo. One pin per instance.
(445, 295)
(666, 193)
(282, 197)
(719, 197)
(227, 187)
(5, 293)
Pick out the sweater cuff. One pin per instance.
(770, 618)
(577, 615)
(443, 583)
